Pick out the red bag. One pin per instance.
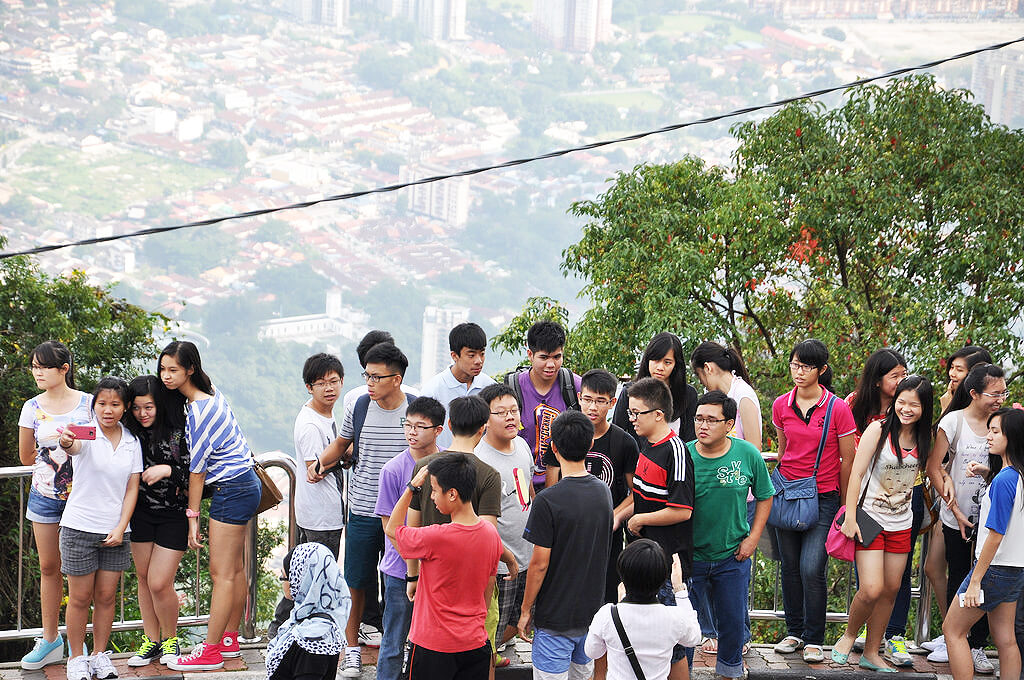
(837, 544)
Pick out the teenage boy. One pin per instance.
(663, 488)
(318, 507)
(423, 421)
(612, 459)
(544, 390)
(569, 526)
(375, 429)
(503, 449)
(372, 338)
(724, 471)
(458, 562)
(465, 376)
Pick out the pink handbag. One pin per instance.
(837, 544)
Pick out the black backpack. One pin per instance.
(566, 383)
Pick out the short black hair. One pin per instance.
(116, 385)
(600, 381)
(369, 340)
(719, 397)
(455, 471)
(497, 391)
(319, 365)
(643, 568)
(468, 335)
(467, 415)
(545, 336)
(572, 433)
(654, 393)
(429, 408)
(389, 355)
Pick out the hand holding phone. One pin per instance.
(981, 597)
(85, 432)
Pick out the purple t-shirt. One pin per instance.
(539, 411)
(395, 474)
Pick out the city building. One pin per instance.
(997, 81)
(330, 13)
(574, 25)
(435, 354)
(337, 323)
(447, 200)
(871, 9)
(441, 19)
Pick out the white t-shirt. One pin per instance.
(52, 469)
(317, 506)
(1002, 511)
(516, 470)
(101, 477)
(652, 629)
(890, 487)
(969, 447)
(739, 391)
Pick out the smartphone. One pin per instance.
(981, 597)
(83, 431)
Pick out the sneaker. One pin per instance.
(170, 650)
(353, 667)
(204, 657)
(369, 636)
(981, 662)
(229, 648)
(43, 653)
(933, 644)
(858, 644)
(789, 644)
(78, 668)
(896, 651)
(101, 667)
(148, 651)
(939, 654)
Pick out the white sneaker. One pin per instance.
(369, 636)
(896, 651)
(981, 662)
(939, 654)
(933, 644)
(353, 667)
(101, 666)
(78, 668)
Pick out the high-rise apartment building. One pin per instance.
(447, 200)
(997, 81)
(330, 13)
(902, 9)
(441, 19)
(435, 353)
(574, 25)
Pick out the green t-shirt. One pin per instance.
(720, 499)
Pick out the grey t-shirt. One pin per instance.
(516, 470)
(381, 439)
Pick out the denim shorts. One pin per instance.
(81, 553)
(999, 584)
(236, 500)
(42, 509)
(364, 543)
(553, 652)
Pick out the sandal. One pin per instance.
(814, 654)
(746, 648)
(709, 645)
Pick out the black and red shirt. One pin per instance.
(664, 478)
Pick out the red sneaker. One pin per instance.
(203, 657)
(229, 648)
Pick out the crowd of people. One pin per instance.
(459, 518)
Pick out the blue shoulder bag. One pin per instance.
(795, 506)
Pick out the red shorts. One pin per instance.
(890, 541)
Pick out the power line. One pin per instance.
(512, 163)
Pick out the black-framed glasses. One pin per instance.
(374, 379)
(701, 420)
(324, 384)
(798, 367)
(415, 428)
(506, 413)
(633, 415)
(600, 401)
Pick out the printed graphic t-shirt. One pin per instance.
(611, 457)
(539, 411)
(52, 469)
(516, 471)
(969, 447)
(664, 479)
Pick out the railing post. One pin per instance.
(922, 631)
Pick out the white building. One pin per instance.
(997, 81)
(574, 25)
(446, 200)
(330, 13)
(435, 354)
(335, 324)
(441, 19)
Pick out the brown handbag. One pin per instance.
(270, 495)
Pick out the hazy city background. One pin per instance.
(116, 116)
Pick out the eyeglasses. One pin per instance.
(589, 401)
(996, 395)
(506, 413)
(701, 420)
(633, 415)
(374, 379)
(797, 367)
(413, 427)
(324, 384)
(38, 367)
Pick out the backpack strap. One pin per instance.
(824, 431)
(362, 405)
(567, 382)
(627, 647)
(512, 380)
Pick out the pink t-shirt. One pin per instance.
(456, 562)
(802, 438)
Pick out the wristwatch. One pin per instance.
(411, 487)
(191, 513)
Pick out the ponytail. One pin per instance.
(726, 358)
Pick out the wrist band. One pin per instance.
(412, 579)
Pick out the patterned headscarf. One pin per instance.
(317, 622)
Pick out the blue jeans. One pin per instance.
(667, 597)
(397, 617)
(724, 587)
(706, 616)
(803, 559)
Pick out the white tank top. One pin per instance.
(890, 487)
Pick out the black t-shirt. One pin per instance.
(298, 664)
(574, 519)
(664, 478)
(686, 431)
(610, 459)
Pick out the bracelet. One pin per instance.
(191, 514)
(412, 579)
(414, 489)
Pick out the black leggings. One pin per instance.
(959, 559)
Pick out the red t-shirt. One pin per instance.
(456, 562)
(803, 437)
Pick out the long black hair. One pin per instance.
(187, 355)
(972, 356)
(891, 426)
(976, 381)
(726, 358)
(169, 408)
(1011, 422)
(54, 354)
(656, 349)
(814, 353)
(868, 401)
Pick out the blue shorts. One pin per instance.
(364, 544)
(235, 500)
(553, 653)
(42, 509)
(999, 584)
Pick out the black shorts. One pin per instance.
(167, 530)
(426, 664)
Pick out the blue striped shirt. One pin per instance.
(215, 441)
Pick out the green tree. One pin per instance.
(229, 154)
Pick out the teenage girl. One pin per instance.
(876, 388)
(664, 359)
(159, 527)
(958, 365)
(890, 456)
(998, 574)
(93, 542)
(961, 433)
(42, 418)
(222, 460)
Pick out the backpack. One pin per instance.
(566, 384)
(362, 405)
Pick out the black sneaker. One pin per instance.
(148, 651)
(169, 650)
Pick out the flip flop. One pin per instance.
(709, 645)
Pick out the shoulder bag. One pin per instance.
(627, 646)
(795, 506)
